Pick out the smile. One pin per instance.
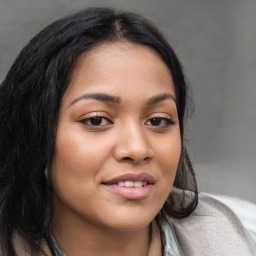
(131, 180)
(131, 186)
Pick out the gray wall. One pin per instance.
(216, 42)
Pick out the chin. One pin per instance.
(131, 225)
(131, 220)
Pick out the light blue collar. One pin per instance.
(171, 246)
(58, 251)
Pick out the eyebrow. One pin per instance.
(161, 97)
(117, 100)
(98, 96)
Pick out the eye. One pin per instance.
(160, 122)
(96, 121)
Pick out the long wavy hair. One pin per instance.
(30, 97)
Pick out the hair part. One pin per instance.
(30, 98)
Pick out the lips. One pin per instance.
(141, 177)
(131, 186)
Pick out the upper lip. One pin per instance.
(132, 177)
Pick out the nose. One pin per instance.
(132, 145)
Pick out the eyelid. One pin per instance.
(96, 114)
(160, 115)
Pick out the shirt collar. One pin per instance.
(171, 245)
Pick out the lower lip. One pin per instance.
(131, 193)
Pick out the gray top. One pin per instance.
(212, 230)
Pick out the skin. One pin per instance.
(87, 216)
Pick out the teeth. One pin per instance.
(128, 184)
(138, 184)
(121, 183)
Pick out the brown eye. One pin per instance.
(96, 121)
(160, 121)
(156, 121)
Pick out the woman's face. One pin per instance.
(118, 139)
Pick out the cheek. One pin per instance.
(168, 155)
(81, 153)
(74, 168)
(168, 151)
(168, 158)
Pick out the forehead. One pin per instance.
(121, 68)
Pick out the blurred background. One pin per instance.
(215, 41)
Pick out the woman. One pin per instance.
(93, 154)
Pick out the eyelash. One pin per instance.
(167, 121)
(95, 118)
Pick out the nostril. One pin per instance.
(131, 159)
(127, 158)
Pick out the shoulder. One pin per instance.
(212, 229)
(245, 210)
